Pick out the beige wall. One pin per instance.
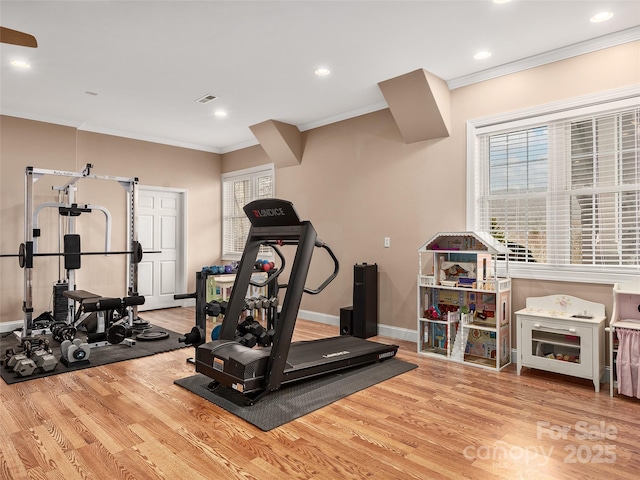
(43, 145)
(359, 182)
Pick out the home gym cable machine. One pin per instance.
(255, 372)
(87, 303)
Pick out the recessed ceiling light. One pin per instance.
(322, 71)
(501, 1)
(482, 55)
(601, 17)
(20, 64)
(220, 113)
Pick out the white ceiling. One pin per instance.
(148, 61)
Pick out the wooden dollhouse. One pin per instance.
(464, 309)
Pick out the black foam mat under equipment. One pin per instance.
(99, 356)
(295, 400)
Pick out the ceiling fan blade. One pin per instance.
(15, 37)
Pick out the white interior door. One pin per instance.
(161, 227)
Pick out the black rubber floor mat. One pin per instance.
(298, 399)
(98, 356)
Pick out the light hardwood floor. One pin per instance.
(442, 420)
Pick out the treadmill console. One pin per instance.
(271, 212)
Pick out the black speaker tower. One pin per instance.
(365, 300)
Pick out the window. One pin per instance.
(561, 189)
(238, 189)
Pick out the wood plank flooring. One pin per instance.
(442, 420)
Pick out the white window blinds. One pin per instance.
(563, 194)
(238, 189)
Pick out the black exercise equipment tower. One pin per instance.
(256, 372)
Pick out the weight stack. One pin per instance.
(60, 302)
(365, 300)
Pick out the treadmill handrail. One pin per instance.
(270, 278)
(329, 279)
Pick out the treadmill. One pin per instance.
(255, 372)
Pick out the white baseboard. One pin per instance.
(384, 330)
(11, 326)
(400, 333)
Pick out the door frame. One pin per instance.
(181, 273)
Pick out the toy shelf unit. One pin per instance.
(624, 339)
(464, 309)
(562, 334)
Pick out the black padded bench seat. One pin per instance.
(80, 295)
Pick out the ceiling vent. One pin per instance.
(206, 99)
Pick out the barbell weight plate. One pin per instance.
(136, 256)
(151, 336)
(21, 255)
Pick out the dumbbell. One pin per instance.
(43, 344)
(43, 356)
(44, 360)
(266, 265)
(213, 309)
(74, 351)
(266, 337)
(249, 304)
(255, 328)
(20, 363)
(61, 332)
(11, 361)
(24, 366)
(8, 354)
(117, 332)
(243, 326)
(195, 337)
(248, 340)
(264, 301)
(269, 302)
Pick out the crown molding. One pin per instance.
(85, 127)
(588, 46)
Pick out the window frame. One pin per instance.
(251, 173)
(627, 97)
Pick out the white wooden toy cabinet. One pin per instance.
(562, 334)
(464, 309)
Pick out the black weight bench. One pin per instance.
(95, 312)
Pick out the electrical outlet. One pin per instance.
(387, 242)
